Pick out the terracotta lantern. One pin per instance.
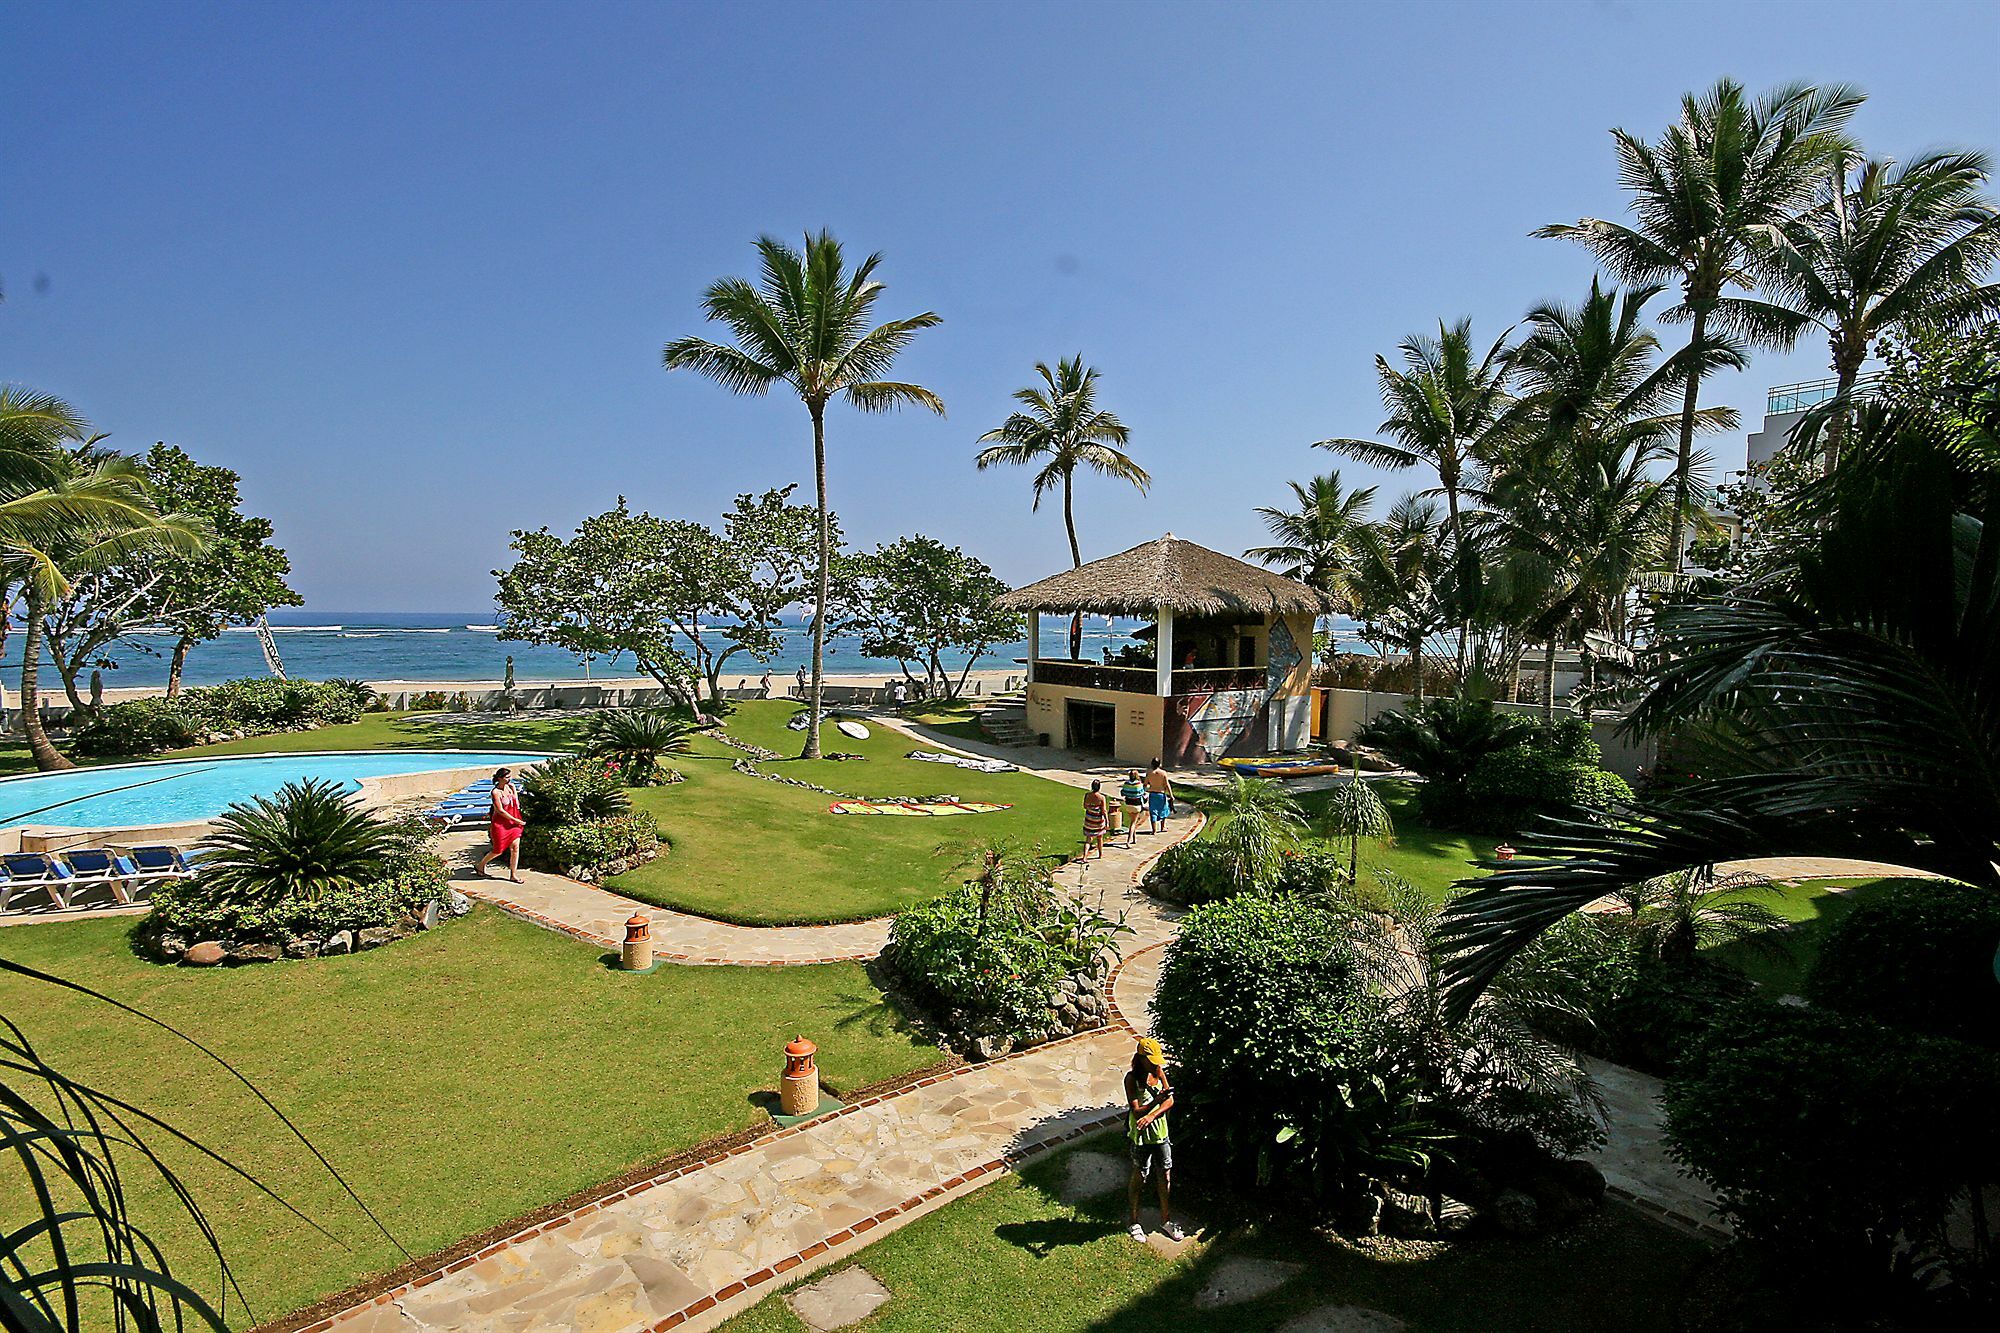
(637, 955)
(798, 1094)
(1503, 852)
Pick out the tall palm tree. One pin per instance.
(806, 324)
(1707, 198)
(1061, 427)
(1404, 571)
(1884, 247)
(1320, 542)
(1443, 407)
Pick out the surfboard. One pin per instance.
(852, 729)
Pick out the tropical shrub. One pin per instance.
(991, 956)
(1253, 823)
(253, 706)
(1839, 1147)
(574, 789)
(1920, 956)
(1509, 787)
(1189, 874)
(1443, 740)
(588, 849)
(406, 885)
(636, 740)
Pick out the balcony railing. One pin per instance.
(1143, 680)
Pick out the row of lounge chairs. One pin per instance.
(124, 871)
(470, 806)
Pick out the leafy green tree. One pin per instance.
(806, 325)
(918, 601)
(1059, 429)
(1444, 408)
(236, 579)
(1885, 247)
(1320, 542)
(724, 594)
(1706, 198)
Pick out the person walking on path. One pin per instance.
(764, 685)
(802, 682)
(1159, 797)
(1132, 796)
(1148, 1098)
(1096, 817)
(504, 824)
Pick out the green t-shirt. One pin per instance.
(1137, 1090)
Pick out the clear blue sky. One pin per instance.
(409, 267)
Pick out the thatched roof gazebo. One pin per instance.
(1225, 668)
(1169, 574)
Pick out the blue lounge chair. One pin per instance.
(158, 861)
(31, 870)
(95, 865)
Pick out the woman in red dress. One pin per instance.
(504, 823)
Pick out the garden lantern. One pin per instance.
(798, 1094)
(1503, 852)
(637, 955)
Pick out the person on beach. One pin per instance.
(1096, 817)
(1159, 797)
(764, 685)
(504, 824)
(802, 682)
(1132, 795)
(1148, 1098)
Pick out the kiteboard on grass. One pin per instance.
(933, 806)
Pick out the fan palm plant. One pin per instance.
(1884, 247)
(805, 324)
(308, 840)
(1319, 542)
(1444, 408)
(1058, 429)
(636, 739)
(1851, 709)
(1706, 198)
(1354, 811)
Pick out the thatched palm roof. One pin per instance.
(1169, 574)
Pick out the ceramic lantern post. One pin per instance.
(798, 1094)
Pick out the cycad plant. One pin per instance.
(1354, 811)
(637, 739)
(805, 324)
(309, 840)
(1706, 198)
(1256, 821)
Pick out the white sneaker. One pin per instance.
(1172, 1231)
(1137, 1232)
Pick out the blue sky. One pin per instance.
(409, 267)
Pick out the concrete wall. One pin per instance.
(1346, 710)
(1139, 727)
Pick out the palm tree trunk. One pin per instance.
(47, 757)
(814, 695)
(176, 665)
(1847, 369)
(1684, 463)
(1458, 566)
(1549, 679)
(1417, 668)
(1075, 562)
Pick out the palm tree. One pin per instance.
(1061, 427)
(1849, 710)
(1402, 579)
(1354, 812)
(1320, 541)
(1676, 916)
(1883, 248)
(1443, 408)
(1256, 822)
(805, 324)
(1707, 199)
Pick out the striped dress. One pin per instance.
(1096, 814)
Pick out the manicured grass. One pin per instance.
(958, 719)
(762, 853)
(412, 731)
(1013, 1257)
(458, 1079)
(1812, 907)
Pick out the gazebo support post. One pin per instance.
(1163, 654)
(1034, 642)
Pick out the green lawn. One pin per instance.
(458, 1079)
(1812, 906)
(761, 853)
(1013, 1257)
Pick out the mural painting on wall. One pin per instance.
(1220, 718)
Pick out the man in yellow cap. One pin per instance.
(1148, 1098)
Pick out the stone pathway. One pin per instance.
(1634, 1156)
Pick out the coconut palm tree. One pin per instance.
(1884, 247)
(805, 324)
(1707, 198)
(1061, 428)
(1443, 408)
(1851, 709)
(1403, 576)
(1320, 542)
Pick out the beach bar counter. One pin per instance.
(1225, 669)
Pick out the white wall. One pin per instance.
(1348, 709)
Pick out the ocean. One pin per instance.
(377, 645)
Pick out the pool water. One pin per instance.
(184, 790)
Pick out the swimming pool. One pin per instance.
(179, 791)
